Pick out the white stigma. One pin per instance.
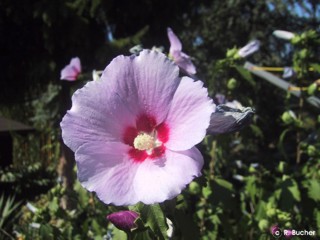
(144, 141)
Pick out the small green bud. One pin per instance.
(232, 53)
(288, 117)
(282, 166)
(194, 188)
(311, 150)
(263, 224)
(303, 145)
(296, 39)
(303, 53)
(285, 177)
(232, 84)
(271, 212)
(252, 169)
(288, 224)
(312, 88)
(200, 213)
(206, 192)
(284, 216)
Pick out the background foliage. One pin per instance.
(267, 174)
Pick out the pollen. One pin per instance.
(144, 141)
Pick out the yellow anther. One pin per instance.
(144, 141)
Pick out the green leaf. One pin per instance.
(96, 227)
(46, 232)
(153, 217)
(251, 187)
(222, 192)
(281, 143)
(54, 205)
(256, 131)
(290, 193)
(245, 74)
(294, 189)
(312, 88)
(313, 187)
(118, 234)
(316, 67)
(260, 212)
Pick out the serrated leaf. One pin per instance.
(96, 227)
(316, 67)
(153, 217)
(46, 232)
(290, 193)
(294, 189)
(260, 212)
(54, 205)
(313, 187)
(251, 187)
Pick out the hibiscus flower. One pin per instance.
(179, 57)
(134, 131)
(72, 70)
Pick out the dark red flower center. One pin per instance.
(146, 139)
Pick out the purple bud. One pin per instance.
(226, 119)
(250, 48)
(124, 220)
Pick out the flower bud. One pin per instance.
(232, 84)
(311, 150)
(283, 34)
(124, 220)
(194, 188)
(226, 119)
(312, 88)
(249, 49)
(288, 117)
(263, 224)
(271, 212)
(282, 166)
(232, 53)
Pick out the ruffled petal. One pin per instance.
(185, 63)
(146, 82)
(68, 73)
(189, 115)
(97, 115)
(72, 70)
(157, 180)
(106, 169)
(175, 44)
(250, 48)
(226, 119)
(76, 64)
